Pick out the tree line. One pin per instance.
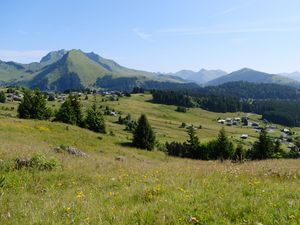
(222, 148)
(34, 106)
(284, 112)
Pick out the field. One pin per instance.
(118, 184)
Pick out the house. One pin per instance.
(285, 130)
(112, 113)
(237, 119)
(221, 121)
(255, 124)
(244, 136)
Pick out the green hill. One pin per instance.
(118, 184)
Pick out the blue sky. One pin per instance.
(158, 35)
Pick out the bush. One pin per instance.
(37, 162)
(51, 98)
(181, 109)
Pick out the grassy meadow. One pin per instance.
(118, 184)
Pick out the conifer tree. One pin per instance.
(224, 146)
(33, 106)
(143, 136)
(70, 112)
(94, 120)
(263, 148)
(193, 139)
(2, 97)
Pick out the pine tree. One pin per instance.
(143, 136)
(70, 112)
(263, 148)
(2, 97)
(193, 145)
(94, 120)
(224, 146)
(33, 106)
(193, 140)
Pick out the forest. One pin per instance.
(269, 100)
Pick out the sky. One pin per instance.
(157, 35)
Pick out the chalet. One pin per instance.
(244, 136)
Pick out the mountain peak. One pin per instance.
(52, 57)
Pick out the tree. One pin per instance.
(33, 106)
(143, 136)
(51, 98)
(94, 120)
(2, 97)
(70, 112)
(224, 146)
(239, 154)
(263, 148)
(193, 149)
(193, 140)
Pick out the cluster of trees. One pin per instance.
(222, 148)
(34, 106)
(179, 98)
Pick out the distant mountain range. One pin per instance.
(63, 70)
(294, 75)
(201, 76)
(253, 76)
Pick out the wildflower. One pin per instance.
(68, 210)
(80, 194)
(193, 219)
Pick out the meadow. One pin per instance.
(118, 184)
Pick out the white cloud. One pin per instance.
(142, 35)
(22, 56)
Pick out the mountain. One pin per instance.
(253, 76)
(74, 69)
(201, 76)
(295, 75)
(52, 57)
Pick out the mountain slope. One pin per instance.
(77, 70)
(253, 76)
(201, 76)
(74, 70)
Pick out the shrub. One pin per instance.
(181, 109)
(51, 98)
(37, 162)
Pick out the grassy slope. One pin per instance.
(145, 188)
